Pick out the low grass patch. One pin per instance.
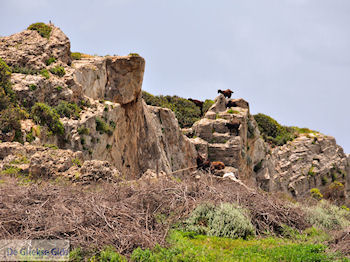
(192, 247)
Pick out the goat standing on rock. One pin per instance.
(197, 103)
(227, 93)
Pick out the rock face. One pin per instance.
(28, 49)
(230, 135)
(44, 162)
(309, 161)
(115, 124)
(114, 133)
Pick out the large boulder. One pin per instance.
(124, 78)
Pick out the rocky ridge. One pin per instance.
(115, 134)
(114, 124)
(312, 160)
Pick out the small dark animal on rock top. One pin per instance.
(231, 104)
(217, 165)
(233, 127)
(227, 93)
(202, 163)
(197, 103)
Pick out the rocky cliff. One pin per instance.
(105, 130)
(310, 160)
(110, 121)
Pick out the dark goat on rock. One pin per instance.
(227, 93)
(197, 103)
(202, 163)
(231, 104)
(233, 127)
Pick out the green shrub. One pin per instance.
(112, 124)
(76, 162)
(10, 170)
(75, 56)
(59, 88)
(45, 115)
(10, 121)
(32, 87)
(134, 54)
(24, 70)
(5, 72)
(225, 220)
(315, 193)
(311, 171)
(45, 73)
(272, 131)
(30, 137)
(327, 216)
(58, 70)
(7, 95)
(43, 29)
(103, 127)
(324, 180)
(185, 111)
(83, 130)
(50, 61)
(207, 104)
(70, 110)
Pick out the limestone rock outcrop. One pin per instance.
(112, 133)
(28, 49)
(229, 134)
(309, 161)
(114, 125)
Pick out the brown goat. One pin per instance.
(217, 165)
(227, 93)
(202, 163)
(197, 103)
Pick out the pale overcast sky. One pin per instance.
(289, 58)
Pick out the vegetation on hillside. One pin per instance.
(276, 134)
(43, 114)
(10, 112)
(75, 55)
(185, 111)
(43, 29)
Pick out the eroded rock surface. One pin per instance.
(114, 125)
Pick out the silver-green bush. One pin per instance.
(225, 220)
(327, 216)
